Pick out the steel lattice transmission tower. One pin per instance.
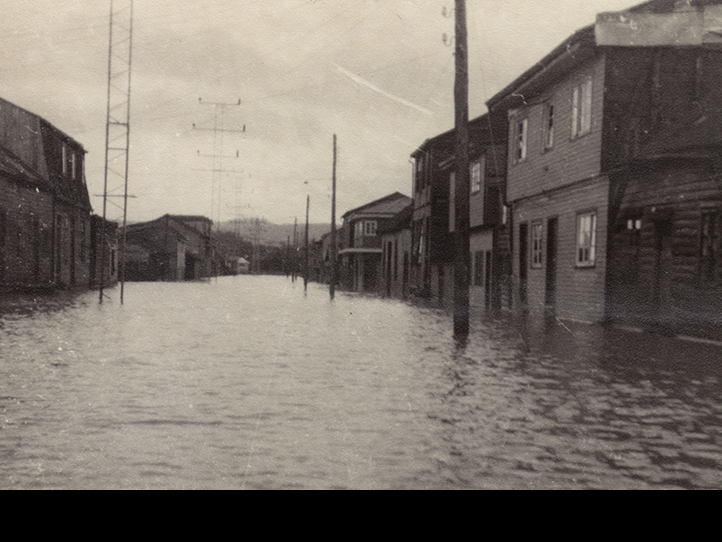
(117, 131)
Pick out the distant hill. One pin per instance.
(278, 234)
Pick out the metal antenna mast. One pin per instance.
(117, 130)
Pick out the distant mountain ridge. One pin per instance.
(278, 234)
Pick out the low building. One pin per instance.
(170, 248)
(360, 246)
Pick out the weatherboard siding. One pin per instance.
(570, 159)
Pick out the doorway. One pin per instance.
(550, 298)
(523, 263)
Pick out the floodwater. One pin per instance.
(247, 383)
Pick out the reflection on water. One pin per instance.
(247, 383)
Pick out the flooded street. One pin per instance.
(247, 383)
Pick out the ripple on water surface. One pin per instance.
(246, 382)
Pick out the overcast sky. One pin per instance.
(375, 72)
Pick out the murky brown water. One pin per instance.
(245, 383)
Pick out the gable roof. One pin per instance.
(390, 205)
(400, 221)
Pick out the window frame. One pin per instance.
(586, 240)
(476, 174)
(582, 101)
(548, 127)
(521, 139)
(370, 228)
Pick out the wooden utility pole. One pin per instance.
(294, 265)
(334, 256)
(306, 256)
(462, 257)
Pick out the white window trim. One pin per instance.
(586, 240)
(370, 228)
(582, 108)
(477, 175)
(549, 125)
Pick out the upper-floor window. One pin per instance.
(549, 126)
(582, 109)
(64, 159)
(73, 166)
(419, 172)
(586, 239)
(521, 135)
(365, 228)
(477, 175)
(537, 236)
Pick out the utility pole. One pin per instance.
(117, 127)
(288, 256)
(462, 257)
(305, 274)
(334, 256)
(294, 267)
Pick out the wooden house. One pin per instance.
(432, 274)
(361, 252)
(396, 257)
(45, 211)
(614, 171)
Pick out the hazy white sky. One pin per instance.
(375, 72)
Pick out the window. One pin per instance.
(634, 225)
(710, 245)
(522, 128)
(586, 239)
(73, 166)
(477, 172)
(419, 172)
(65, 160)
(548, 127)
(370, 228)
(582, 109)
(537, 235)
(358, 230)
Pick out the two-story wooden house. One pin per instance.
(361, 252)
(614, 172)
(45, 211)
(434, 214)
(396, 258)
